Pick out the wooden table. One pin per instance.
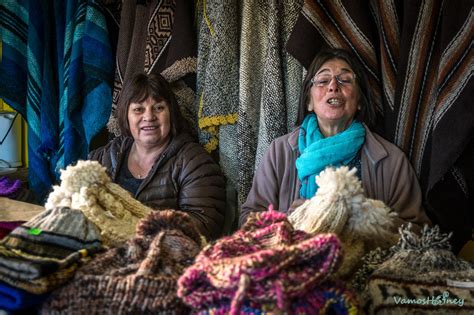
(13, 210)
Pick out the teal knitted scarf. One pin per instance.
(318, 152)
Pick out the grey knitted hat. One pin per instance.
(423, 276)
(44, 252)
(139, 277)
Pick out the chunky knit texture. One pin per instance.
(422, 267)
(267, 262)
(86, 186)
(139, 277)
(340, 207)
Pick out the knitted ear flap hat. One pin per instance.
(138, 277)
(43, 252)
(86, 186)
(423, 276)
(340, 207)
(266, 264)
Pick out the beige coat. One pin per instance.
(386, 175)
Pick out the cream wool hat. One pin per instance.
(87, 187)
(341, 207)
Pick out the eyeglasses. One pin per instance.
(345, 79)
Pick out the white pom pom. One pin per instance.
(83, 174)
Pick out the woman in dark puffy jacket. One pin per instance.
(158, 161)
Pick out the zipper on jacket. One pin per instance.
(148, 178)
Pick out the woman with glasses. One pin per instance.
(335, 113)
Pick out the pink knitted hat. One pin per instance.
(267, 262)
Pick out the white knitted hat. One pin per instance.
(87, 187)
(341, 207)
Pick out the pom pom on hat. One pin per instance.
(340, 206)
(86, 186)
(422, 267)
(139, 277)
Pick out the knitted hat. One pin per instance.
(137, 278)
(340, 207)
(423, 276)
(43, 252)
(266, 263)
(331, 297)
(8, 187)
(86, 186)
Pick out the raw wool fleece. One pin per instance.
(87, 187)
(422, 267)
(265, 265)
(340, 207)
(139, 277)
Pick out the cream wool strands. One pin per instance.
(87, 187)
(340, 206)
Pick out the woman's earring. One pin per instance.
(310, 107)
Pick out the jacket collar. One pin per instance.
(373, 147)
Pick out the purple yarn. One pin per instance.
(9, 187)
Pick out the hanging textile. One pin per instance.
(418, 56)
(270, 81)
(217, 98)
(156, 37)
(57, 72)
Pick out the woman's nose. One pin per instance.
(149, 115)
(333, 84)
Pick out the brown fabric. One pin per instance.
(155, 37)
(185, 178)
(386, 175)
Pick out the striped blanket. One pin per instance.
(418, 56)
(57, 71)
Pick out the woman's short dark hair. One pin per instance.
(138, 89)
(367, 112)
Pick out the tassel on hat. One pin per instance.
(422, 275)
(341, 207)
(86, 186)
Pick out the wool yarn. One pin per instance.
(139, 277)
(422, 276)
(44, 252)
(9, 187)
(340, 206)
(265, 264)
(86, 186)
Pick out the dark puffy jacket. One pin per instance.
(184, 178)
